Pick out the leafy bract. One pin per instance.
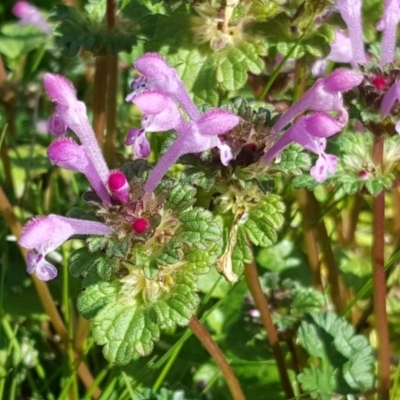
(75, 30)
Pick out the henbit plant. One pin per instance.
(220, 194)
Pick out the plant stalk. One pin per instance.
(261, 302)
(208, 342)
(379, 278)
(310, 240)
(99, 98)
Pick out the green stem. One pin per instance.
(167, 367)
(379, 279)
(261, 302)
(208, 342)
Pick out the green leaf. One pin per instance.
(293, 160)
(333, 340)
(199, 228)
(181, 197)
(304, 181)
(376, 185)
(16, 40)
(81, 260)
(105, 267)
(242, 253)
(264, 221)
(318, 381)
(205, 72)
(200, 261)
(75, 30)
(125, 329)
(95, 297)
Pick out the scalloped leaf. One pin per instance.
(333, 340)
(200, 261)
(318, 382)
(125, 330)
(76, 30)
(181, 196)
(242, 253)
(304, 181)
(293, 160)
(199, 228)
(205, 72)
(81, 260)
(264, 221)
(95, 297)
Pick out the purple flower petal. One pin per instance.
(66, 153)
(166, 79)
(160, 111)
(390, 97)
(217, 122)
(57, 125)
(29, 14)
(45, 234)
(137, 138)
(388, 24)
(37, 264)
(73, 113)
(310, 132)
(324, 95)
(350, 10)
(325, 163)
(59, 89)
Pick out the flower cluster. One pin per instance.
(157, 94)
(312, 130)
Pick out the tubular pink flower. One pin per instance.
(341, 52)
(28, 14)
(350, 10)
(324, 95)
(42, 235)
(68, 154)
(310, 132)
(388, 24)
(196, 137)
(391, 96)
(159, 75)
(62, 92)
(119, 186)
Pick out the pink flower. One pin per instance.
(160, 113)
(42, 235)
(71, 113)
(310, 132)
(30, 15)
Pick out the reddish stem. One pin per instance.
(261, 302)
(208, 342)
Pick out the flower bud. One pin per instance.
(119, 186)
